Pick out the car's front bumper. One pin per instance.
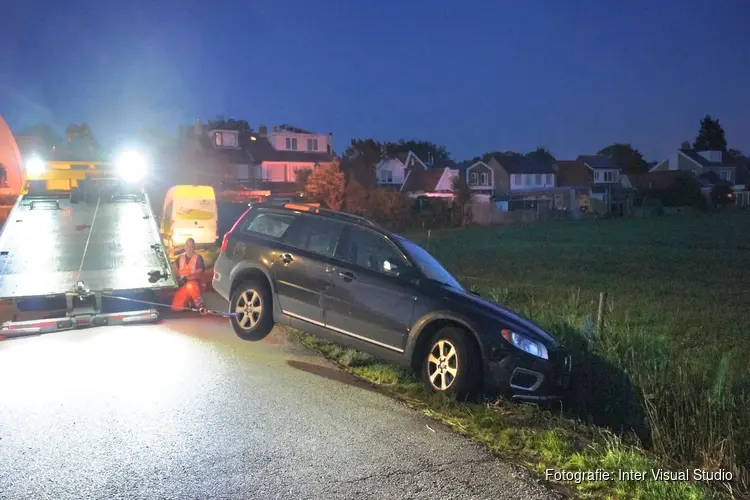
(526, 377)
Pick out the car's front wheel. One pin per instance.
(451, 363)
(252, 310)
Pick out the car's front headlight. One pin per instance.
(526, 344)
(131, 166)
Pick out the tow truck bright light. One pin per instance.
(35, 166)
(131, 166)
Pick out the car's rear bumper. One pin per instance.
(222, 282)
(528, 378)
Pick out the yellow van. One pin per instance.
(190, 212)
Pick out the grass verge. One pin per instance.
(537, 438)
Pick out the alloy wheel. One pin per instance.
(249, 307)
(442, 365)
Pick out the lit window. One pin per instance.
(217, 138)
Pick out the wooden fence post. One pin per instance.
(600, 313)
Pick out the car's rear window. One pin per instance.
(270, 224)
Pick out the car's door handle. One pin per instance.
(347, 275)
(286, 258)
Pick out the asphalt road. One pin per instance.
(184, 409)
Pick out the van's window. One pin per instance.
(370, 250)
(315, 235)
(269, 224)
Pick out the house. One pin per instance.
(520, 182)
(608, 190)
(479, 176)
(277, 156)
(392, 172)
(430, 182)
(711, 168)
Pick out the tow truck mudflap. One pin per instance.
(11, 329)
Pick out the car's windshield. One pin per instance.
(429, 265)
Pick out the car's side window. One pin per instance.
(371, 250)
(315, 234)
(269, 224)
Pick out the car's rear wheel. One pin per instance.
(451, 363)
(252, 310)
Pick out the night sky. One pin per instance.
(475, 76)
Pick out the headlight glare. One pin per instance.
(526, 344)
(131, 166)
(35, 166)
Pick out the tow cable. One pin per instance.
(202, 310)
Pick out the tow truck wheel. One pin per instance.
(252, 307)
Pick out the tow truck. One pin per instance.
(82, 242)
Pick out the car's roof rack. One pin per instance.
(315, 208)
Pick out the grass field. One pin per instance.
(670, 372)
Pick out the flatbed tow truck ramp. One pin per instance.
(56, 248)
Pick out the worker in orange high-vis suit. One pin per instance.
(189, 267)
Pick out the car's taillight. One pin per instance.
(225, 240)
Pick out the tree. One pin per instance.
(357, 199)
(81, 141)
(461, 199)
(541, 155)
(360, 161)
(499, 155)
(390, 208)
(326, 184)
(425, 150)
(301, 177)
(49, 136)
(710, 136)
(229, 124)
(629, 159)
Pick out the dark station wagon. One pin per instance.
(343, 278)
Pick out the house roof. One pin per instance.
(711, 178)
(261, 150)
(572, 173)
(402, 157)
(421, 180)
(523, 165)
(704, 162)
(599, 161)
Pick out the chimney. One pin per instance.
(263, 130)
(330, 142)
(685, 145)
(198, 127)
